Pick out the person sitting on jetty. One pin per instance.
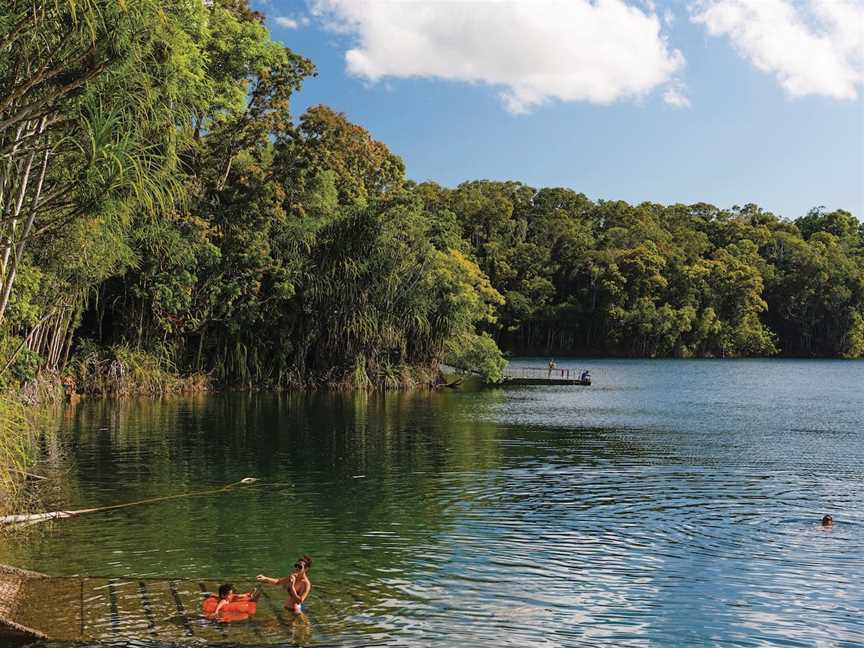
(827, 521)
(297, 584)
(586, 375)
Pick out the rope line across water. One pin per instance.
(34, 518)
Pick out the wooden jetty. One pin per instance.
(545, 376)
(36, 606)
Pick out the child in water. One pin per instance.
(218, 608)
(297, 584)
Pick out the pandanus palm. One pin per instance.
(89, 113)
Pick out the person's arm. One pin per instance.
(222, 604)
(272, 581)
(305, 592)
(292, 587)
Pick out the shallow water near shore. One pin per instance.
(671, 503)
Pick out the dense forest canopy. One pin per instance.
(163, 210)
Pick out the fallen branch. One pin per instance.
(25, 518)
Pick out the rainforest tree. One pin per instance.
(163, 209)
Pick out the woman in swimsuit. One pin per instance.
(297, 584)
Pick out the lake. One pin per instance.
(672, 503)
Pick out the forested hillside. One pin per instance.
(654, 280)
(165, 213)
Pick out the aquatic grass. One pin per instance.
(368, 376)
(123, 371)
(17, 450)
(360, 377)
(44, 389)
(389, 376)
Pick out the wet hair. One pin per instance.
(827, 520)
(225, 590)
(305, 561)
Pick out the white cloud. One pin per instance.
(675, 97)
(285, 21)
(812, 49)
(534, 50)
(668, 16)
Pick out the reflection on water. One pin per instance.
(672, 503)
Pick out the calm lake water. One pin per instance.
(672, 503)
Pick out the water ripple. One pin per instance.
(671, 504)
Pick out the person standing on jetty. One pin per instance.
(552, 365)
(297, 584)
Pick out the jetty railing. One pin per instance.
(543, 372)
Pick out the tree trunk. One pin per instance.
(31, 216)
(70, 334)
(15, 213)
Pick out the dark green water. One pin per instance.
(672, 503)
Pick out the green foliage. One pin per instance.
(321, 200)
(651, 280)
(478, 353)
(24, 364)
(326, 141)
(853, 344)
(297, 257)
(192, 225)
(380, 289)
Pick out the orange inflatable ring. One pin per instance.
(237, 610)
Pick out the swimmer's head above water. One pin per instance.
(303, 565)
(827, 521)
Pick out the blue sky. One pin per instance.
(722, 101)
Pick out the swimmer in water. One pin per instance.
(297, 584)
(827, 521)
(228, 595)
